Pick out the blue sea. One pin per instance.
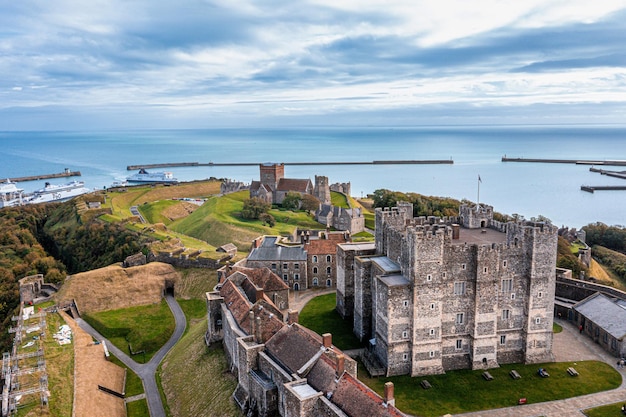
(528, 189)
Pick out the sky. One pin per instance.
(101, 64)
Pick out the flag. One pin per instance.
(479, 180)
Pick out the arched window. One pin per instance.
(296, 286)
(314, 258)
(329, 283)
(315, 270)
(328, 258)
(315, 282)
(328, 270)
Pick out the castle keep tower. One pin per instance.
(271, 174)
(453, 293)
(322, 189)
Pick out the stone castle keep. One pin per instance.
(436, 294)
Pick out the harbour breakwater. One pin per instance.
(65, 173)
(235, 164)
(567, 161)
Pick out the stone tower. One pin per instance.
(322, 189)
(271, 174)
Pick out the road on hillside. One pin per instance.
(147, 371)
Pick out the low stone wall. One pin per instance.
(578, 290)
(186, 262)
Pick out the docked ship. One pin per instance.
(144, 176)
(10, 195)
(56, 193)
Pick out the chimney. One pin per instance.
(327, 340)
(259, 332)
(251, 319)
(456, 230)
(389, 400)
(341, 365)
(308, 236)
(302, 238)
(293, 316)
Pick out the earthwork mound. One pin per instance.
(114, 287)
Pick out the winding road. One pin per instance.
(147, 371)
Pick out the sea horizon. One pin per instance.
(529, 189)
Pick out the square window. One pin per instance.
(274, 266)
(460, 317)
(459, 288)
(507, 285)
(285, 277)
(296, 266)
(506, 314)
(459, 344)
(285, 266)
(296, 276)
(502, 340)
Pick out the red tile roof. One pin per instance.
(357, 399)
(262, 277)
(292, 184)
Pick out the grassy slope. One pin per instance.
(218, 222)
(320, 315)
(339, 200)
(195, 378)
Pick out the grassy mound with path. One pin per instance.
(114, 287)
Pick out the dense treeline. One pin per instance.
(53, 240)
(612, 259)
(90, 244)
(21, 255)
(422, 205)
(612, 237)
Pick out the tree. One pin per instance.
(268, 219)
(309, 203)
(292, 201)
(254, 207)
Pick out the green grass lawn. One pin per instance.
(320, 316)
(339, 200)
(145, 328)
(152, 211)
(611, 410)
(556, 328)
(466, 390)
(138, 408)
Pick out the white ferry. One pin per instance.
(56, 193)
(10, 195)
(152, 177)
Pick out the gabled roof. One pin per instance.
(604, 312)
(293, 184)
(322, 246)
(356, 399)
(293, 346)
(229, 247)
(235, 301)
(263, 278)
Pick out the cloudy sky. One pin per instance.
(68, 64)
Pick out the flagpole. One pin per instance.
(478, 193)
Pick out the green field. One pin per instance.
(466, 390)
(611, 410)
(144, 328)
(320, 315)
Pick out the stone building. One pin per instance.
(310, 262)
(273, 186)
(604, 320)
(452, 293)
(351, 220)
(273, 287)
(282, 368)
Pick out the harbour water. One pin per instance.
(529, 189)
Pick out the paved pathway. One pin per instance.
(147, 371)
(569, 345)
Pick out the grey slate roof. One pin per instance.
(270, 251)
(386, 264)
(604, 312)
